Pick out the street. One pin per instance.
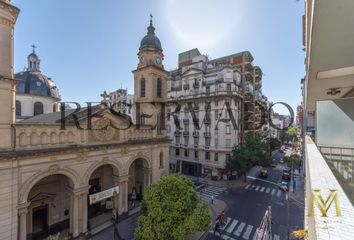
(247, 205)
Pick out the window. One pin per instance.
(207, 142)
(161, 159)
(178, 139)
(216, 157)
(186, 140)
(216, 103)
(18, 108)
(228, 129)
(177, 151)
(228, 87)
(207, 155)
(227, 158)
(186, 152)
(54, 107)
(38, 108)
(159, 88)
(228, 143)
(196, 141)
(216, 142)
(207, 89)
(216, 114)
(196, 154)
(142, 87)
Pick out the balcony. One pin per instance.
(185, 86)
(185, 133)
(195, 85)
(177, 133)
(195, 134)
(320, 175)
(207, 134)
(186, 121)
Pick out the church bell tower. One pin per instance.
(150, 79)
(8, 17)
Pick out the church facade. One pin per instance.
(56, 177)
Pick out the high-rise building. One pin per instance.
(120, 100)
(215, 102)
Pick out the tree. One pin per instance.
(251, 153)
(292, 160)
(172, 210)
(274, 143)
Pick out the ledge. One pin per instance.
(319, 176)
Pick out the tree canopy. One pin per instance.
(292, 160)
(172, 210)
(251, 153)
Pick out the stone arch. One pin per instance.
(70, 137)
(23, 139)
(53, 138)
(96, 165)
(136, 157)
(62, 137)
(29, 184)
(44, 138)
(34, 139)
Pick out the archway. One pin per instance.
(139, 180)
(103, 195)
(49, 206)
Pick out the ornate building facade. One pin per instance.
(225, 96)
(55, 176)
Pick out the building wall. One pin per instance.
(27, 104)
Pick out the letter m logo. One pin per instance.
(322, 204)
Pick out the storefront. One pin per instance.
(101, 202)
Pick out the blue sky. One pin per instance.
(88, 46)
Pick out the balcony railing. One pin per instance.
(207, 134)
(195, 134)
(320, 179)
(185, 133)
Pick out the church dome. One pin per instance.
(33, 82)
(150, 40)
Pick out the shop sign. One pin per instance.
(97, 197)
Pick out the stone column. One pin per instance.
(22, 212)
(147, 178)
(78, 210)
(122, 197)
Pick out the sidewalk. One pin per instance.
(227, 183)
(127, 226)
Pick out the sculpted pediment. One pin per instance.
(191, 71)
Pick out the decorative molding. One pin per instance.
(53, 169)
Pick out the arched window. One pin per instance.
(159, 88)
(18, 108)
(54, 107)
(161, 159)
(142, 87)
(38, 108)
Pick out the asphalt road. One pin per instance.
(246, 207)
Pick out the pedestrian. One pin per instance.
(217, 227)
(222, 218)
(114, 215)
(212, 199)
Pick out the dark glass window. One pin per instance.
(161, 159)
(38, 108)
(177, 152)
(159, 88)
(18, 108)
(142, 87)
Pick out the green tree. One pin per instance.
(251, 153)
(292, 160)
(172, 210)
(291, 132)
(274, 143)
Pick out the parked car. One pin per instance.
(274, 164)
(287, 169)
(263, 173)
(286, 176)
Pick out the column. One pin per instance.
(125, 196)
(22, 212)
(123, 193)
(78, 210)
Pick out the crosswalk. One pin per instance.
(266, 190)
(235, 229)
(208, 191)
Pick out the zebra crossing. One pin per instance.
(264, 189)
(208, 191)
(235, 229)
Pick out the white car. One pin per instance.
(284, 186)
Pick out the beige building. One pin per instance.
(225, 95)
(54, 178)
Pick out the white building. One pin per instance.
(120, 100)
(35, 92)
(207, 90)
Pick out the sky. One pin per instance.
(89, 46)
